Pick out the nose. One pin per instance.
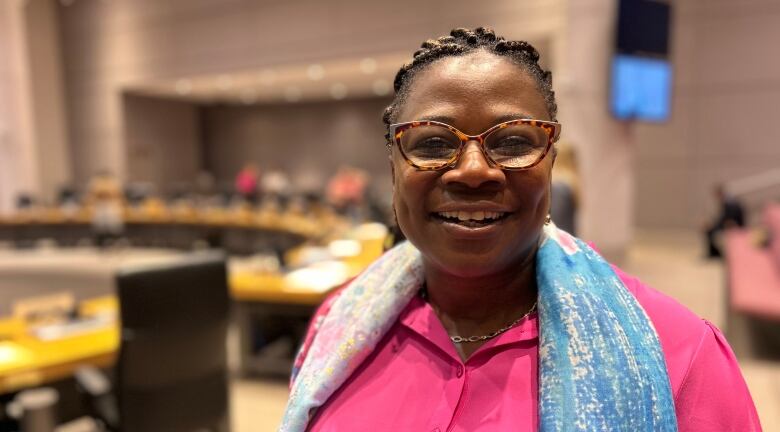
(474, 171)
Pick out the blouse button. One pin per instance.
(459, 371)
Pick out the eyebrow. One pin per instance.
(501, 119)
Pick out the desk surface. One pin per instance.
(26, 361)
(271, 288)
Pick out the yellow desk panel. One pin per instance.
(271, 288)
(27, 361)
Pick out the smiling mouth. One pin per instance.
(471, 219)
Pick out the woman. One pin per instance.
(105, 197)
(490, 318)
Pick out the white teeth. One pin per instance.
(476, 216)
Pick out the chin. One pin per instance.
(468, 262)
(473, 259)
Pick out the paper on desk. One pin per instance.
(319, 277)
(73, 328)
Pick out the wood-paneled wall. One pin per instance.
(109, 44)
(162, 141)
(309, 141)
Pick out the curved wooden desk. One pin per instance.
(240, 230)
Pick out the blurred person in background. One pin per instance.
(68, 201)
(247, 182)
(490, 317)
(276, 182)
(104, 196)
(346, 191)
(205, 194)
(730, 215)
(565, 194)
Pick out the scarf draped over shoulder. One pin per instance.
(600, 361)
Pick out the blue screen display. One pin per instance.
(641, 88)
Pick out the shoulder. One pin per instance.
(701, 365)
(680, 331)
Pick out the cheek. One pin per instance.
(533, 188)
(405, 188)
(410, 191)
(400, 186)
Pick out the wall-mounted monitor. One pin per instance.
(641, 76)
(641, 88)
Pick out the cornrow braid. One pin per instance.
(462, 41)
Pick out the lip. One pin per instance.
(461, 232)
(470, 233)
(483, 206)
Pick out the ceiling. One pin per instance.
(292, 83)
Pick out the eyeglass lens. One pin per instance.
(514, 146)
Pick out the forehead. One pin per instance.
(473, 91)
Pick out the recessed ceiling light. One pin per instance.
(315, 72)
(368, 65)
(183, 87)
(292, 94)
(224, 82)
(381, 87)
(338, 91)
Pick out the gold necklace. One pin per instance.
(460, 339)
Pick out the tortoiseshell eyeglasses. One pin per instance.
(513, 145)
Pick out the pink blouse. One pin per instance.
(415, 380)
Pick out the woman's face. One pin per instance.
(472, 93)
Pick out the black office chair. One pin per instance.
(171, 373)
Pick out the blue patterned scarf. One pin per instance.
(600, 361)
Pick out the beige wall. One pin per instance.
(725, 110)
(12, 72)
(33, 134)
(604, 146)
(162, 141)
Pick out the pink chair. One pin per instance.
(753, 276)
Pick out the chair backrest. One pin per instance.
(172, 368)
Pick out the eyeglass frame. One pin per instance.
(395, 131)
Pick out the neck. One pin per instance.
(482, 302)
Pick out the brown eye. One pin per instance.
(429, 145)
(433, 147)
(513, 146)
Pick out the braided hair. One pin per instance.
(460, 42)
